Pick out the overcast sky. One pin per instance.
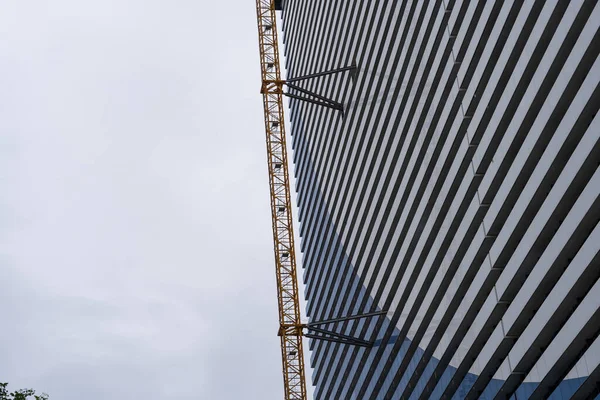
(135, 242)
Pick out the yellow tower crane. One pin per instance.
(291, 329)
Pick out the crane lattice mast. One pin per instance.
(290, 330)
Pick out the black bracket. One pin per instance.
(313, 97)
(331, 336)
(320, 100)
(352, 68)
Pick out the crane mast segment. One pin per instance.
(290, 330)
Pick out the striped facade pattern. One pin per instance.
(459, 189)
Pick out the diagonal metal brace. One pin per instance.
(321, 100)
(335, 106)
(337, 340)
(336, 335)
(313, 97)
(325, 334)
(352, 68)
(276, 87)
(331, 336)
(341, 319)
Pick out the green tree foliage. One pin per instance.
(23, 394)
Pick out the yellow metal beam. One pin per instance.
(290, 330)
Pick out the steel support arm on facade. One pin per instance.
(317, 98)
(331, 336)
(348, 318)
(352, 68)
(339, 336)
(337, 339)
(322, 101)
